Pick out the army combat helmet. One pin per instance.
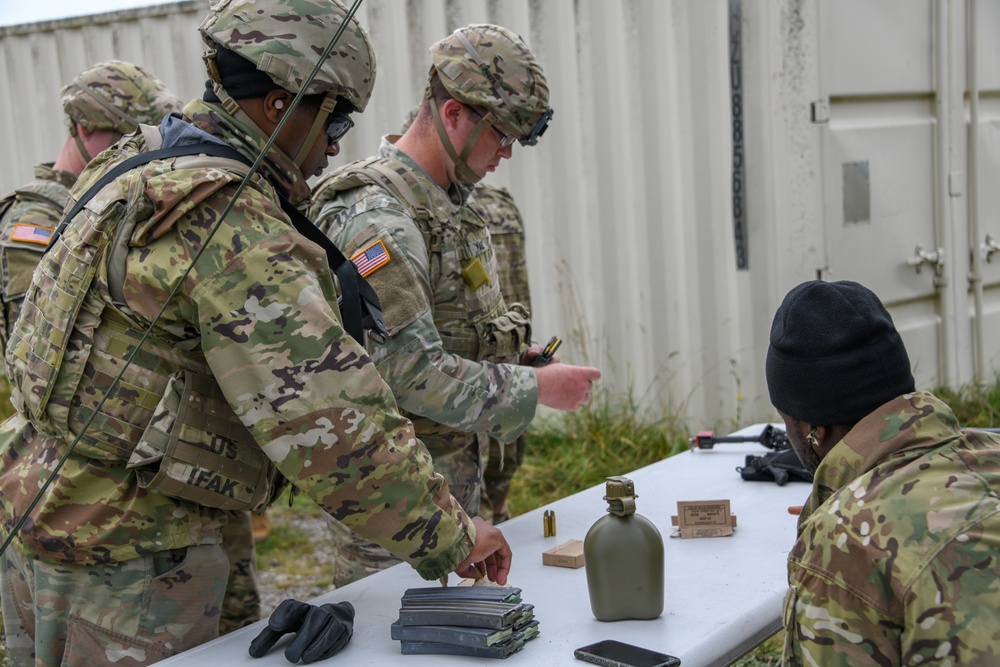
(489, 66)
(117, 96)
(284, 40)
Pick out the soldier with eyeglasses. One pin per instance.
(456, 354)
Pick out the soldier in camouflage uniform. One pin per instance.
(503, 219)
(507, 234)
(404, 217)
(246, 377)
(896, 561)
(103, 103)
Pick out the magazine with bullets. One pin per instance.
(485, 622)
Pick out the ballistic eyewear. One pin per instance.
(505, 139)
(338, 126)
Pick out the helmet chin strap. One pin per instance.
(462, 169)
(319, 124)
(233, 108)
(87, 157)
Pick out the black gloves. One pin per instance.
(320, 631)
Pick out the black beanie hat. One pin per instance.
(835, 355)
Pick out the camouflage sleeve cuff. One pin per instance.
(446, 562)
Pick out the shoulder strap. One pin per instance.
(380, 172)
(46, 192)
(217, 150)
(360, 307)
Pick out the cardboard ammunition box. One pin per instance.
(567, 554)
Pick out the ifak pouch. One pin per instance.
(196, 449)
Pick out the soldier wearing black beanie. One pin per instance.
(895, 561)
(835, 355)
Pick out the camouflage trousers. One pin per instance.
(125, 614)
(241, 606)
(354, 557)
(504, 461)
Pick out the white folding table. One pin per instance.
(723, 594)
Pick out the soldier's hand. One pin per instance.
(566, 387)
(319, 631)
(529, 355)
(490, 555)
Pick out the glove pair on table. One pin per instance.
(319, 631)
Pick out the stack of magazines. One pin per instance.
(487, 622)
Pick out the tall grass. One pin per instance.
(569, 452)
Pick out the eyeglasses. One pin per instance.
(337, 127)
(505, 139)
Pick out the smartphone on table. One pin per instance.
(611, 653)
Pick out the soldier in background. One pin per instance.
(102, 104)
(507, 234)
(897, 559)
(246, 379)
(405, 218)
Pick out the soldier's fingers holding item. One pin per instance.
(491, 548)
(529, 355)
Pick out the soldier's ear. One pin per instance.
(275, 103)
(451, 112)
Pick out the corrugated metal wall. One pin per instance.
(627, 198)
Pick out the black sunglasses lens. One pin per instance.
(338, 127)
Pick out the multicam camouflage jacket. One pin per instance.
(447, 331)
(897, 560)
(257, 317)
(27, 217)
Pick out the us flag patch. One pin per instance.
(371, 258)
(31, 234)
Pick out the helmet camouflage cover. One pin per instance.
(117, 95)
(284, 38)
(505, 78)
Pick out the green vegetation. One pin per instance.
(574, 451)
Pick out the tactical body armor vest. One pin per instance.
(473, 322)
(41, 201)
(166, 417)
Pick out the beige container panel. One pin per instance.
(879, 197)
(877, 47)
(878, 160)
